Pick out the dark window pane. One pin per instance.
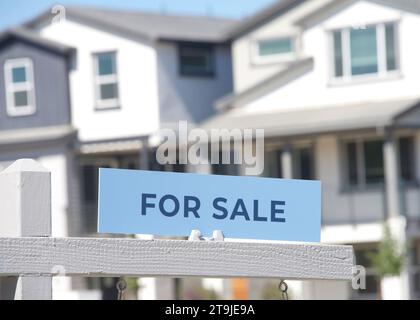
(19, 74)
(90, 183)
(109, 91)
(196, 60)
(230, 168)
(406, 153)
(278, 46)
(352, 168)
(338, 54)
(373, 158)
(391, 61)
(303, 164)
(272, 164)
(21, 98)
(106, 63)
(364, 53)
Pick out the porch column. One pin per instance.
(392, 174)
(144, 155)
(394, 287)
(286, 162)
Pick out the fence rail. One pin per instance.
(32, 257)
(135, 257)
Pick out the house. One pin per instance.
(335, 85)
(92, 90)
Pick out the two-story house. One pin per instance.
(92, 89)
(336, 86)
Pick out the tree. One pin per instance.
(389, 260)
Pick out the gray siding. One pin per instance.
(190, 98)
(51, 87)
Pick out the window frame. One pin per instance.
(360, 162)
(105, 104)
(383, 72)
(296, 159)
(361, 167)
(212, 60)
(11, 88)
(274, 58)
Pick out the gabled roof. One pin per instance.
(31, 37)
(34, 135)
(152, 26)
(330, 9)
(317, 120)
(278, 8)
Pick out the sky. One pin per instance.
(14, 12)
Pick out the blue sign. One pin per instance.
(173, 204)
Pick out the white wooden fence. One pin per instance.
(29, 256)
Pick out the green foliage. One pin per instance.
(389, 260)
(132, 284)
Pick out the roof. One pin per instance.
(149, 25)
(35, 39)
(285, 75)
(363, 115)
(32, 135)
(278, 8)
(331, 8)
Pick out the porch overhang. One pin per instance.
(319, 120)
(18, 137)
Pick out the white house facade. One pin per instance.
(335, 85)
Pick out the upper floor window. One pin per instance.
(273, 50)
(196, 60)
(365, 163)
(106, 80)
(275, 47)
(365, 51)
(20, 88)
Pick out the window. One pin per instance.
(303, 164)
(272, 164)
(407, 162)
(229, 168)
(20, 88)
(106, 80)
(273, 50)
(275, 47)
(365, 163)
(196, 60)
(365, 51)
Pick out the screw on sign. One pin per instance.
(283, 287)
(121, 286)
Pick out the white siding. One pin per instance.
(316, 86)
(137, 74)
(247, 73)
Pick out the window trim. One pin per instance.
(361, 171)
(98, 80)
(212, 57)
(383, 73)
(11, 88)
(274, 58)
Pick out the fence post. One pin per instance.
(25, 211)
